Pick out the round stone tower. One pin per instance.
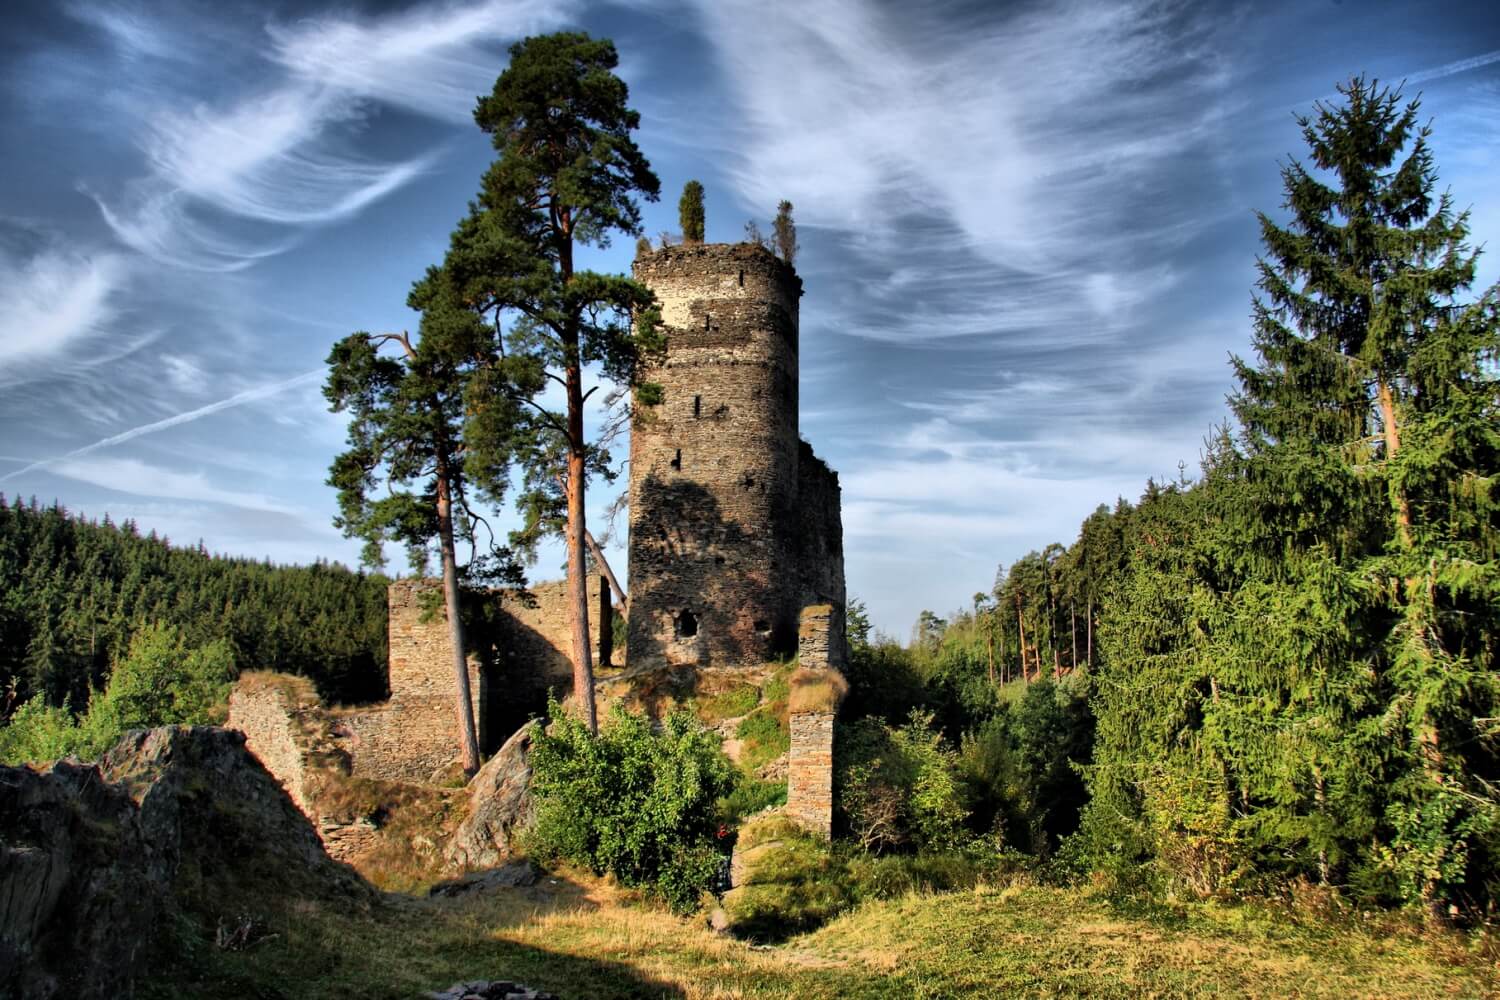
(714, 572)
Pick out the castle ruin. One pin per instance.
(735, 551)
(734, 522)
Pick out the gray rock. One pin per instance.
(499, 808)
(517, 874)
(75, 869)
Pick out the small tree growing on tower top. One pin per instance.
(784, 233)
(690, 212)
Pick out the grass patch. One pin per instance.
(750, 796)
(581, 937)
(732, 702)
(764, 735)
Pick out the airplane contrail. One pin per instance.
(248, 396)
(1461, 66)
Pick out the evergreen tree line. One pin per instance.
(1289, 662)
(73, 594)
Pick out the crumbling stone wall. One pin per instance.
(719, 526)
(820, 537)
(809, 772)
(816, 689)
(414, 735)
(272, 713)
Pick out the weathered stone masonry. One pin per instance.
(734, 522)
(414, 735)
(817, 687)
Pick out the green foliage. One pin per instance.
(74, 592)
(1021, 768)
(1299, 655)
(765, 736)
(161, 681)
(750, 796)
(784, 233)
(690, 212)
(630, 801)
(899, 786)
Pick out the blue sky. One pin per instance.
(1028, 234)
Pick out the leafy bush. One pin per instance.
(899, 786)
(750, 796)
(161, 681)
(636, 803)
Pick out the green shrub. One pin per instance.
(159, 682)
(636, 803)
(750, 796)
(899, 786)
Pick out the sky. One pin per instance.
(1028, 235)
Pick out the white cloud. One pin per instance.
(276, 154)
(128, 475)
(433, 60)
(52, 301)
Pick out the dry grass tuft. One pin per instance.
(816, 691)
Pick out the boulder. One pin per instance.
(95, 859)
(516, 875)
(499, 808)
(76, 877)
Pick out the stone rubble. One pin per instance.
(496, 989)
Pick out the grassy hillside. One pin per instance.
(582, 938)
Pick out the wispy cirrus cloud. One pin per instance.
(52, 300)
(233, 179)
(133, 476)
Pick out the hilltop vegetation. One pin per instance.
(1290, 663)
(75, 595)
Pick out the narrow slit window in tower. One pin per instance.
(686, 625)
(708, 322)
(677, 462)
(697, 406)
(742, 277)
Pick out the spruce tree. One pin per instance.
(690, 212)
(1299, 663)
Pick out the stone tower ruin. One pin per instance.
(734, 522)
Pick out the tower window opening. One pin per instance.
(742, 277)
(707, 322)
(677, 462)
(697, 406)
(686, 624)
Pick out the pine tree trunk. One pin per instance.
(1090, 626)
(467, 740)
(578, 590)
(1021, 626)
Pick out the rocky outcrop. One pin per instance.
(95, 859)
(499, 807)
(77, 880)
